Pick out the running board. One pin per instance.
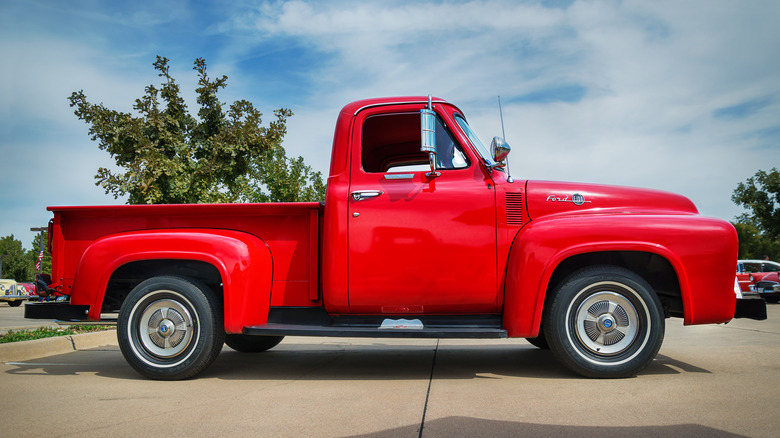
(315, 321)
(274, 329)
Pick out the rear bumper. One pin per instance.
(57, 310)
(751, 307)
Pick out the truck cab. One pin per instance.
(412, 240)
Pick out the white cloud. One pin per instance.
(653, 75)
(42, 140)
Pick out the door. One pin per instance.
(418, 243)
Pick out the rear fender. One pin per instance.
(244, 263)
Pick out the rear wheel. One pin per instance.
(170, 328)
(252, 344)
(605, 322)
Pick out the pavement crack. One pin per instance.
(428, 394)
(750, 330)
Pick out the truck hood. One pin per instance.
(546, 198)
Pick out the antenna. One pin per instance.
(509, 178)
(501, 114)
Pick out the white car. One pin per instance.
(10, 293)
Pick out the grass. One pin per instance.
(49, 332)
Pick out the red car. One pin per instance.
(761, 276)
(27, 289)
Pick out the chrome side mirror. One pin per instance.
(428, 135)
(500, 149)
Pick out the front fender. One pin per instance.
(702, 251)
(244, 263)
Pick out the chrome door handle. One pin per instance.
(365, 194)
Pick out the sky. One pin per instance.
(671, 95)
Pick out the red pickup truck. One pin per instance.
(423, 234)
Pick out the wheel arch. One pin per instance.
(129, 275)
(233, 264)
(542, 256)
(655, 269)
(651, 266)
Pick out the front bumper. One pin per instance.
(768, 290)
(13, 297)
(751, 306)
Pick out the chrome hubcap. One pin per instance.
(166, 328)
(606, 323)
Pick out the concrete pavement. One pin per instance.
(715, 381)
(12, 318)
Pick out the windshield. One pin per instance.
(474, 139)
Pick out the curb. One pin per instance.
(25, 350)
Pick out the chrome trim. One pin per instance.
(400, 176)
(365, 194)
(408, 102)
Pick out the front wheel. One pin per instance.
(170, 328)
(540, 341)
(604, 322)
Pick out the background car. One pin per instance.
(27, 289)
(11, 293)
(761, 276)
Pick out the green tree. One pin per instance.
(16, 263)
(282, 179)
(754, 245)
(759, 228)
(167, 155)
(760, 195)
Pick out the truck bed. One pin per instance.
(291, 231)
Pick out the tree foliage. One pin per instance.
(282, 179)
(754, 245)
(167, 155)
(760, 194)
(759, 227)
(14, 263)
(18, 264)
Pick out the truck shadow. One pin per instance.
(341, 361)
(466, 427)
(380, 362)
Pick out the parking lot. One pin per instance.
(715, 381)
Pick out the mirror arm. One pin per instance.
(432, 160)
(428, 134)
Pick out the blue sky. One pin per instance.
(679, 96)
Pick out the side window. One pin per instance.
(391, 143)
(766, 267)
